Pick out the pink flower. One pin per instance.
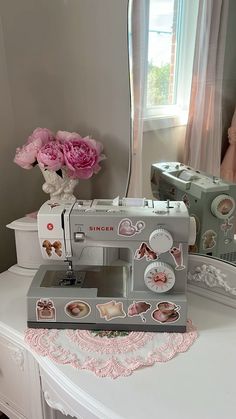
(67, 136)
(82, 157)
(26, 156)
(51, 156)
(43, 134)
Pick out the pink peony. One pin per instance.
(67, 136)
(51, 156)
(43, 134)
(82, 157)
(26, 156)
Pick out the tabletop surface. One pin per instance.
(198, 384)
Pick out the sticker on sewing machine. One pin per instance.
(177, 255)
(166, 312)
(128, 229)
(209, 239)
(227, 225)
(111, 310)
(185, 199)
(193, 248)
(77, 309)
(144, 251)
(138, 308)
(52, 249)
(45, 310)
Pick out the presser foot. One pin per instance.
(68, 280)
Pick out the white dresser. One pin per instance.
(197, 384)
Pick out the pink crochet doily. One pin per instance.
(109, 354)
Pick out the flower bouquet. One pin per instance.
(63, 158)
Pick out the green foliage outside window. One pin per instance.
(158, 85)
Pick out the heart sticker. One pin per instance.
(126, 228)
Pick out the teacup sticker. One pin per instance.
(226, 206)
(209, 239)
(138, 308)
(128, 229)
(45, 310)
(166, 312)
(144, 251)
(111, 310)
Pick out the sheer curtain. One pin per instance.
(138, 11)
(204, 129)
(228, 166)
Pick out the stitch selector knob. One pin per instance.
(159, 277)
(161, 240)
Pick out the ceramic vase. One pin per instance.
(60, 188)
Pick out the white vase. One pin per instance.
(60, 188)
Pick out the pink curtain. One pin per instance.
(204, 129)
(228, 166)
(138, 14)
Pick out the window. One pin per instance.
(171, 29)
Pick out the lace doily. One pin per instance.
(109, 354)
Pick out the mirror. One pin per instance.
(63, 66)
(158, 52)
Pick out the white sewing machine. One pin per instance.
(144, 290)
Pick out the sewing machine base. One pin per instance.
(101, 299)
(115, 326)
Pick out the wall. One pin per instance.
(63, 65)
(161, 145)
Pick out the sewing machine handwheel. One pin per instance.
(159, 277)
(223, 206)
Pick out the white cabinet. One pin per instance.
(20, 395)
(12, 379)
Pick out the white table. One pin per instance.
(198, 384)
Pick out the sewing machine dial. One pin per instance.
(161, 240)
(159, 277)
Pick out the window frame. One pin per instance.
(167, 116)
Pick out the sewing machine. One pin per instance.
(145, 289)
(210, 200)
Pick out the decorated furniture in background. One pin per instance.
(212, 278)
